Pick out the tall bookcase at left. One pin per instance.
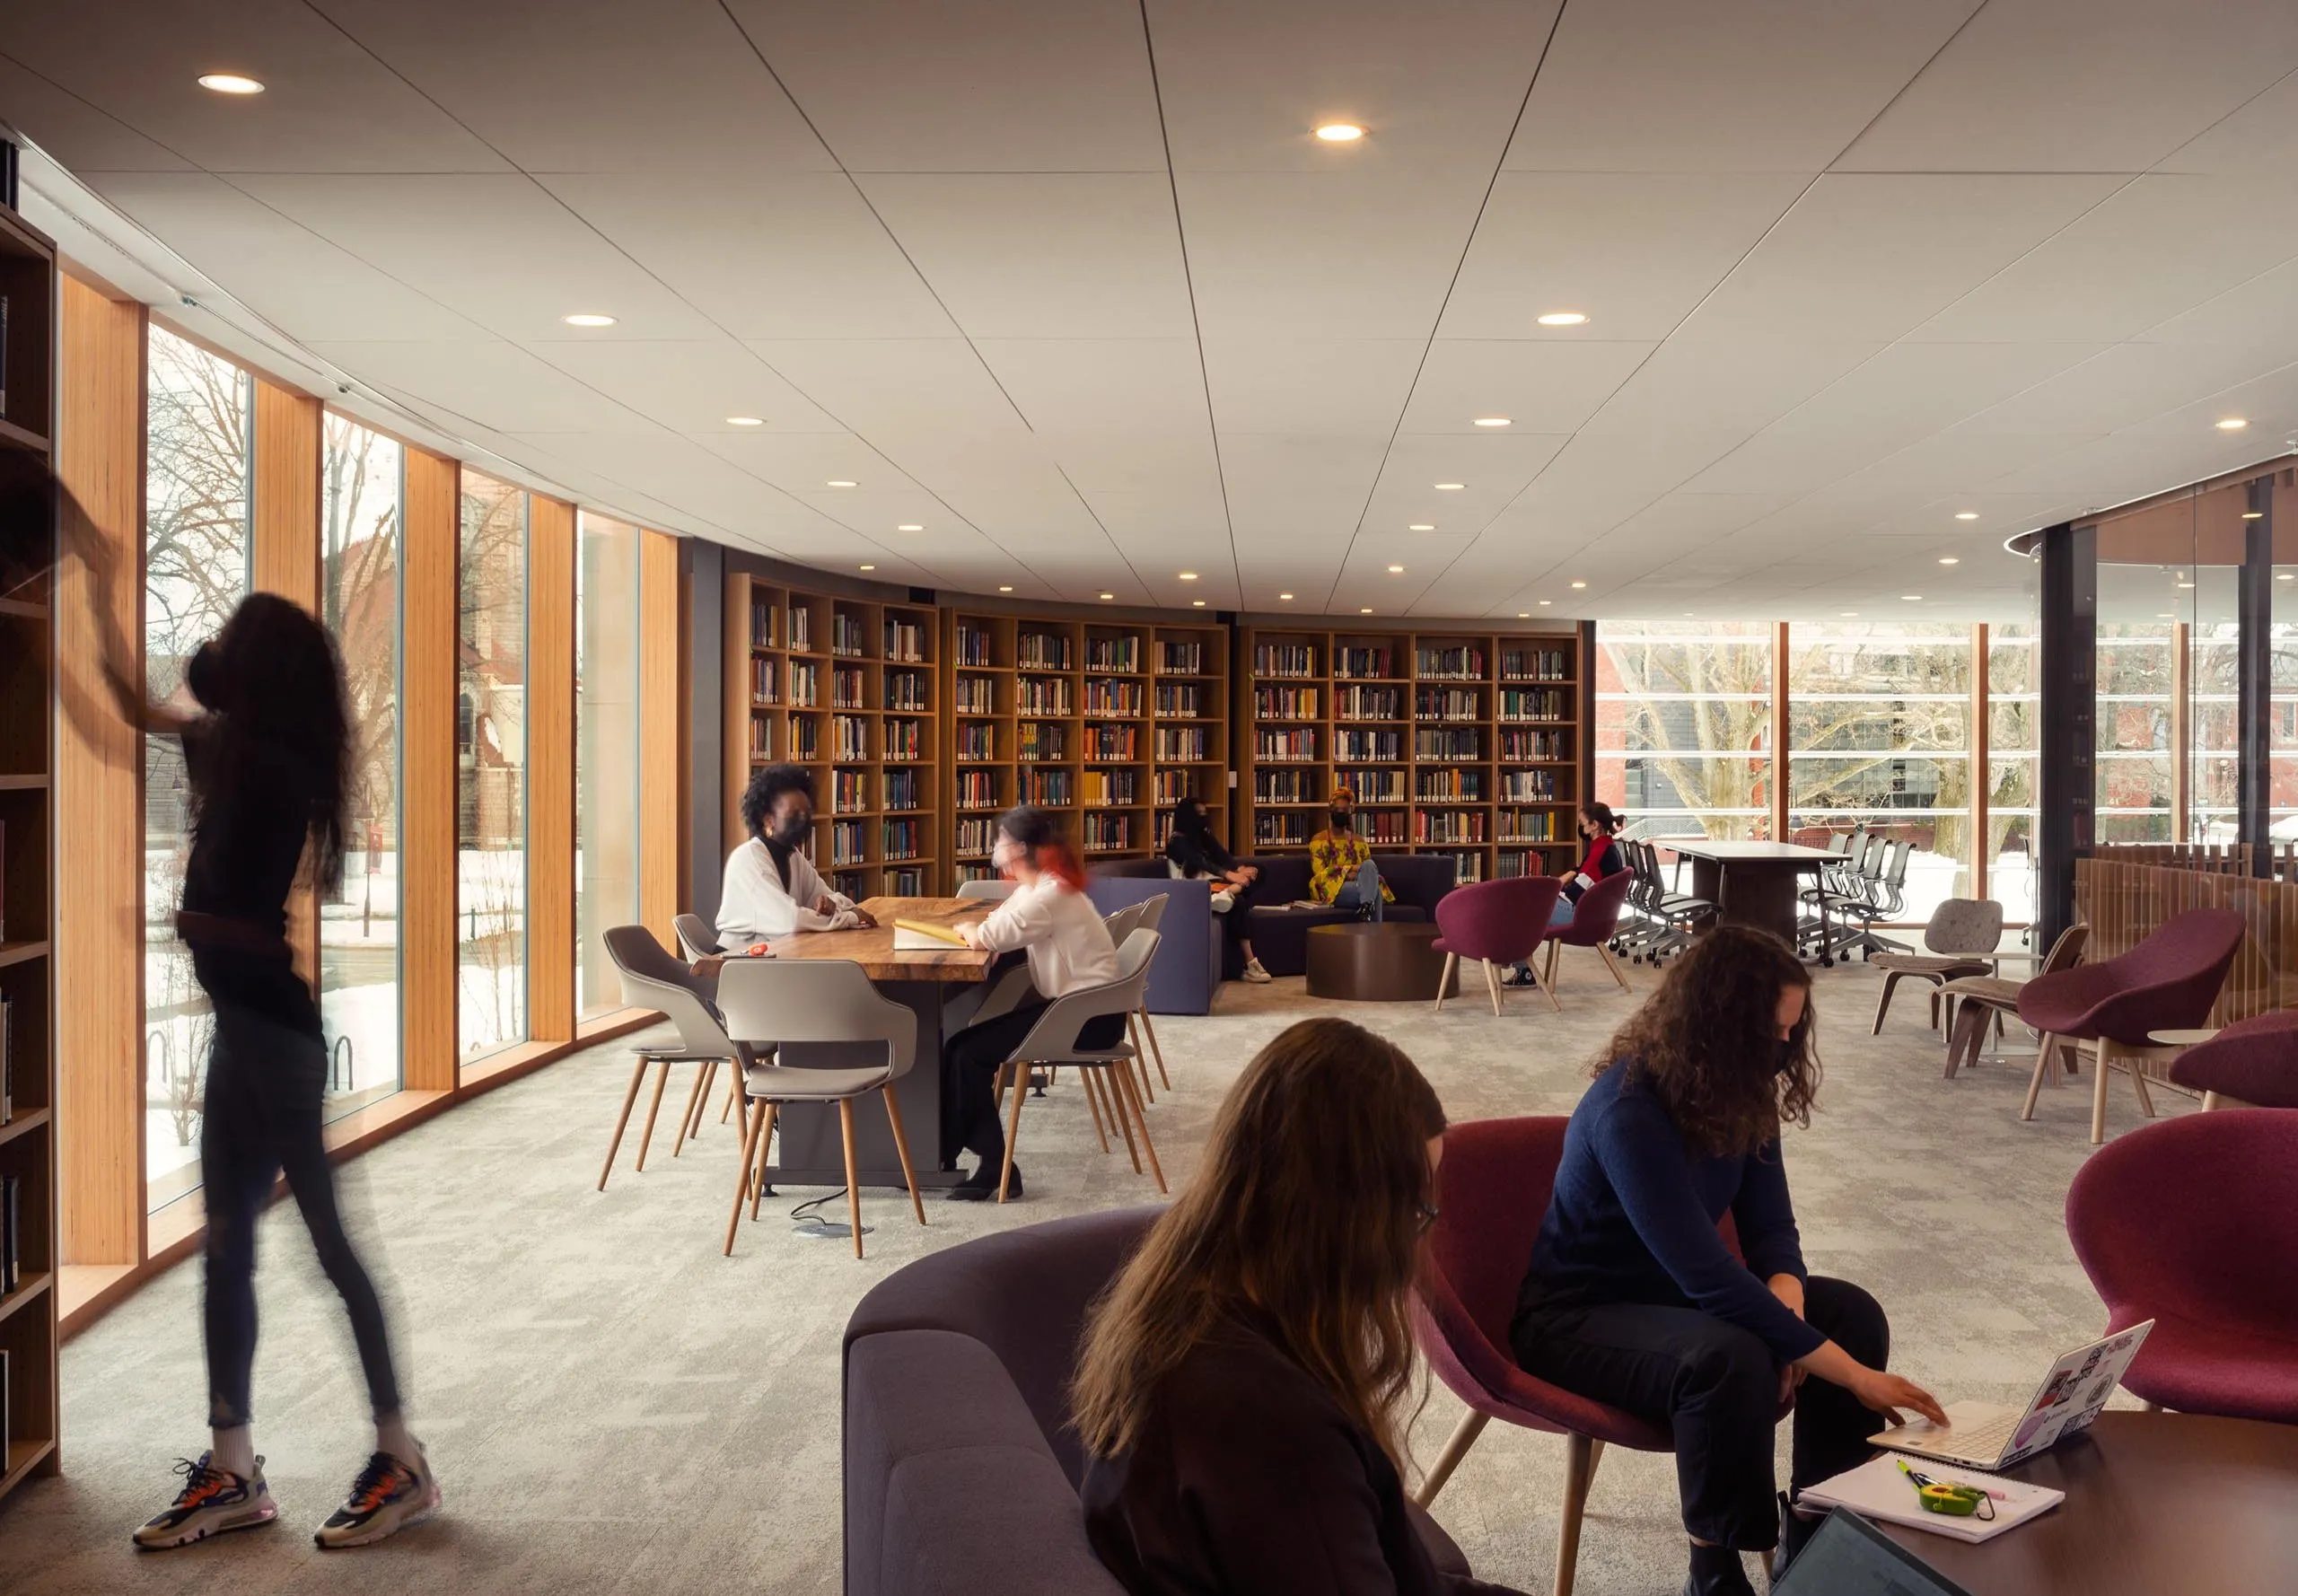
(845, 688)
(28, 1152)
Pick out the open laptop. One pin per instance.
(1848, 1556)
(1989, 1435)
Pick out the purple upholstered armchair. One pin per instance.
(1595, 919)
(1495, 923)
(2166, 983)
(2192, 1224)
(2254, 1062)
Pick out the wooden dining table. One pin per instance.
(942, 986)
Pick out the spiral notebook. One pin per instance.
(1876, 1489)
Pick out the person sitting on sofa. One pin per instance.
(771, 888)
(1194, 853)
(1243, 1386)
(1341, 871)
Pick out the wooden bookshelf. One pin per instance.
(1467, 743)
(28, 1141)
(845, 687)
(1105, 722)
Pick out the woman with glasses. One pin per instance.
(1634, 1298)
(1049, 920)
(1245, 1382)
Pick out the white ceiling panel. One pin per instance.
(498, 249)
(690, 385)
(533, 90)
(896, 385)
(1491, 469)
(1362, 254)
(328, 106)
(1044, 255)
(1685, 85)
(2260, 316)
(1183, 468)
(499, 384)
(2080, 85)
(2176, 242)
(1538, 386)
(2260, 139)
(80, 136)
(997, 85)
(1288, 493)
(2123, 386)
(1340, 387)
(1962, 458)
(1245, 87)
(1632, 251)
(1724, 386)
(1152, 386)
(1857, 254)
(806, 463)
(312, 288)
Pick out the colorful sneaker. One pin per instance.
(211, 1502)
(386, 1498)
(1254, 972)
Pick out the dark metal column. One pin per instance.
(2068, 739)
(2254, 674)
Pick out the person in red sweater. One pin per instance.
(1597, 825)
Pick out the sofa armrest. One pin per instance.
(1187, 972)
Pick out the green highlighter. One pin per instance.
(1940, 1496)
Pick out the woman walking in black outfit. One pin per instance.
(1195, 854)
(265, 754)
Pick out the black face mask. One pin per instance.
(204, 674)
(792, 831)
(1343, 819)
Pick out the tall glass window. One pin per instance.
(362, 481)
(491, 765)
(1683, 727)
(2013, 737)
(1879, 718)
(2281, 729)
(606, 753)
(198, 552)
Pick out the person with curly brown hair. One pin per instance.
(1634, 1299)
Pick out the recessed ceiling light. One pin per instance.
(1007, 589)
(910, 526)
(2253, 514)
(1341, 133)
(1548, 600)
(1847, 614)
(1494, 421)
(1366, 610)
(2232, 424)
(2186, 584)
(1196, 603)
(1188, 577)
(1396, 570)
(745, 421)
(838, 482)
(1966, 515)
(230, 83)
(587, 319)
(1579, 584)
(1524, 615)
(1912, 598)
(2165, 615)
(2285, 577)
(1450, 486)
(869, 567)
(1949, 560)
(1109, 595)
(1422, 526)
(1562, 319)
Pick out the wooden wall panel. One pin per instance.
(661, 775)
(550, 769)
(99, 796)
(286, 515)
(427, 860)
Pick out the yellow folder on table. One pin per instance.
(923, 936)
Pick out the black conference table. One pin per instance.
(1752, 883)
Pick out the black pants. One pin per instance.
(970, 1076)
(266, 1073)
(1716, 1386)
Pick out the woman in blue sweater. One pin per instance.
(1633, 1299)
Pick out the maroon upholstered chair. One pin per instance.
(2254, 1062)
(2166, 983)
(1595, 919)
(2193, 1224)
(1494, 1184)
(1495, 923)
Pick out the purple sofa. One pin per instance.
(1188, 954)
(1280, 936)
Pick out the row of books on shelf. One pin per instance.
(1534, 704)
(14, 1268)
(1108, 833)
(976, 695)
(902, 739)
(1180, 659)
(1051, 789)
(1178, 700)
(1516, 744)
(1528, 786)
(1284, 659)
(1113, 653)
(977, 789)
(907, 882)
(905, 640)
(906, 689)
(849, 792)
(849, 737)
(1042, 744)
(1449, 787)
(1516, 861)
(1368, 704)
(1532, 825)
(1107, 789)
(904, 790)
(1112, 742)
(1113, 698)
(1284, 704)
(1049, 650)
(976, 740)
(1362, 663)
(1041, 694)
(1181, 742)
(973, 647)
(846, 689)
(1297, 746)
(1447, 703)
(846, 634)
(1449, 744)
(849, 841)
(1460, 662)
(1043, 651)
(1535, 664)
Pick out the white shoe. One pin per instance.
(1224, 900)
(1254, 973)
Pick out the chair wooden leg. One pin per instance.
(2209, 1101)
(1149, 1031)
(1547, 971)
(2099, 1092)
(654, 1107)
(1133, 1101)
(1579, 1472)
(1115, 1102)
(1547, 983)
(1094, 1103)
(1492, 981)
(1140, 1055)
(1014, 1130)
(1456, 1447)
(752, 1124)
(901, 1146)
(1612, 964)
(637, 1074)
(853, 1176)
(1444, 982)
(733, 1090)
(2035, 1084)
(2138, 1085)
(686, 1120)
(765, 1152)
(1884, 1001)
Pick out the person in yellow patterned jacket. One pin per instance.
(1341, 871)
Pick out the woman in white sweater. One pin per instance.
(1049, 919)
(771, 888)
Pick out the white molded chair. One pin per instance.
(1054, 1040)
(652, 978)
(697, 937)
(990, 889)
(814, 1000)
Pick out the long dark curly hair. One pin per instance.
(1707, 1044)
(278, 695)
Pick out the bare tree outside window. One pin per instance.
(491, 758)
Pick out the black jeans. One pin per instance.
(266, 1073)
(1716, 1386)
(970, 1076)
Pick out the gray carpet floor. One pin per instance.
(612, 1406)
